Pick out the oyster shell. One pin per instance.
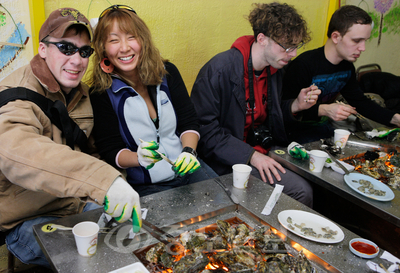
(191, 263)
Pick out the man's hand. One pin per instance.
(336, 111)
(147, 156)
(266, 165)
(122, 202)
(306, 98)
(396, 120)
(186, 163)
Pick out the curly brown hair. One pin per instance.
(151, 64)
(280, 22)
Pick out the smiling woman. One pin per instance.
(136, 94)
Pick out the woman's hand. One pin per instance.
(147, 156)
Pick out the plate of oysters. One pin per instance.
(369, 187)
(311, 226)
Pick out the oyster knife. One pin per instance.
(228, 192)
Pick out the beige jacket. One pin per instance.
(39, 174)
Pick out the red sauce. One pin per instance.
(364, 247)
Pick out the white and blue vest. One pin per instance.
(135, 123)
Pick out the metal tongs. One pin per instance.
(346, 171)
(158, 233)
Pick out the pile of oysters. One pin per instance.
(230, 248)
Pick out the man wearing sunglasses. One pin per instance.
(42, 176)
(237, 98)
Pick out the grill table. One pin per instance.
(183, 205)
(374, 220)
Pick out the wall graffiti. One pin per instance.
(15, 39)
(386, 17)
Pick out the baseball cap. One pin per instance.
(60, 20)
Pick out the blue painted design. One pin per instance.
(331, 84)
(9, 53)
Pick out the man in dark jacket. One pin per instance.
(331, 68)
(231, 121)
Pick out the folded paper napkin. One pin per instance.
(380, 134)
(297, 151)
(389, 257)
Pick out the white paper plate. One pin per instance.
(132, 268)
(313, 221)
(378, 185)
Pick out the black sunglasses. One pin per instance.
(69, 49)
(114, 7)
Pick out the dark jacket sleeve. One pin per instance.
(366, 107)
(297, 77)
(219, 99)
(183, 106)
(108, 139)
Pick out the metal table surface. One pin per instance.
(334, 182)
(179, 204)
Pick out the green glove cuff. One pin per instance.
(136, 220)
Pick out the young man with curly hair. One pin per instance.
(241, 112)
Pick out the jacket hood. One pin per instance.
(243, 44)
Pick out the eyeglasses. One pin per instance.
(69, 49)
(289, 49)
(114, 7)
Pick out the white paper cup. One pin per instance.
(317, 160)
(241, 174)
(85, 234)
(341, 137)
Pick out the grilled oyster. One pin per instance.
(167, 260)
(262, 267)
(219, 242)
(226, 230)
(242, 233)
(191, 263)
(191, 239)
(303, 264)
(154, 253)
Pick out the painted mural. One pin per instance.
(385, 36)
(16, 47)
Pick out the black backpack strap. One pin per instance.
(54, 110)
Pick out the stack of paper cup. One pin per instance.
(85, 234)
(241, 174)
(317, 160)
(341, 137)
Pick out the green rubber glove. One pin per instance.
(186, 163)
(297, 151)
(122, 203)
(147, 156)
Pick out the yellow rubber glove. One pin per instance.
(147, 157)
(122, 202)
(186, 163)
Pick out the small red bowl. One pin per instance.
(364, 248)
